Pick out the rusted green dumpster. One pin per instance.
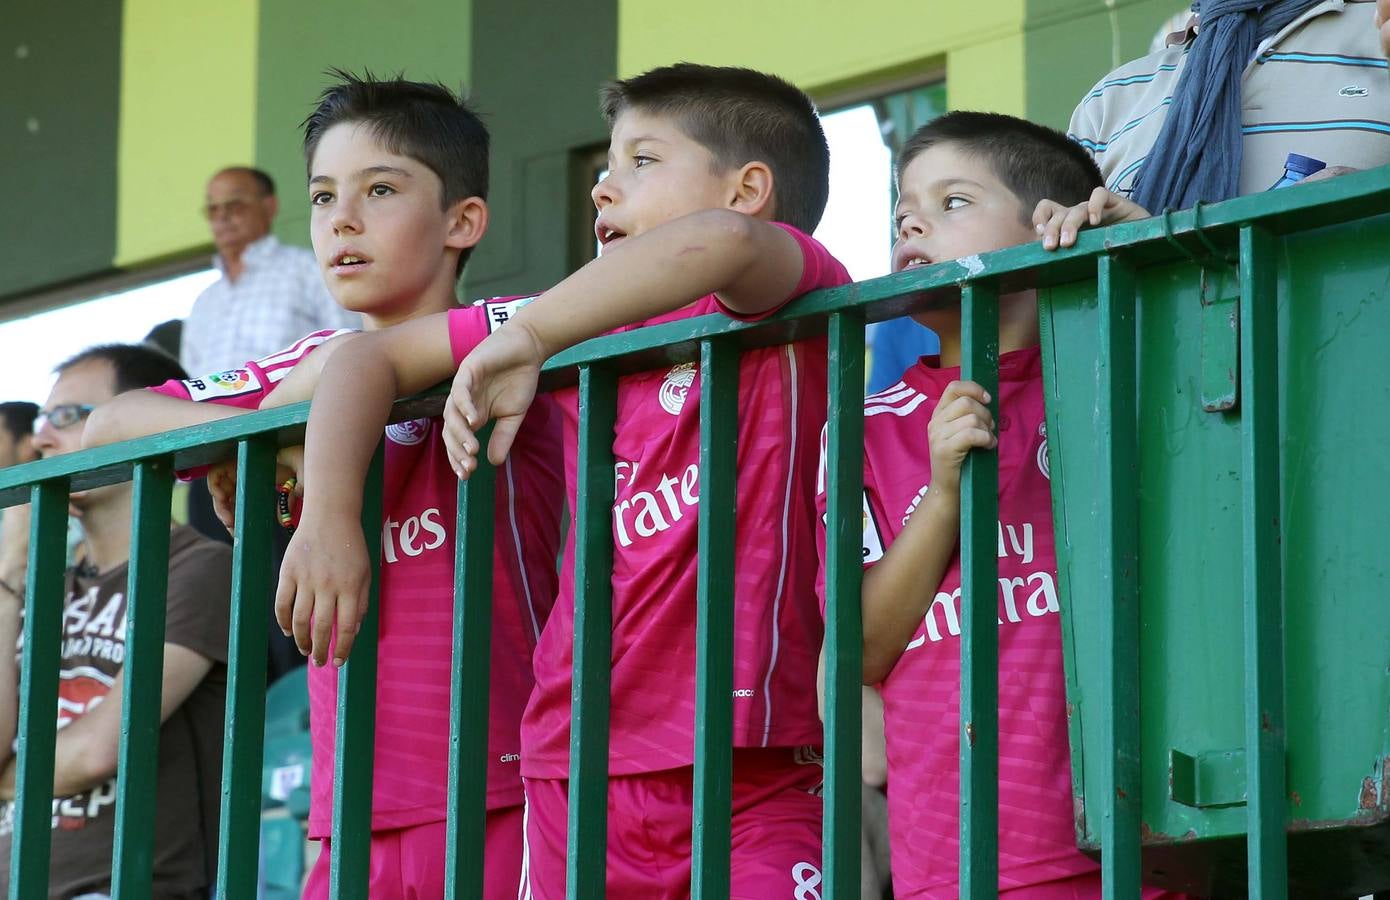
(1219, 438)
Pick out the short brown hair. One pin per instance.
(740, 115)
(1033, 161)
(422, 120)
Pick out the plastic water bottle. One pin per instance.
(1296, 168)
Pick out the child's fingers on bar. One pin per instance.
(503, 436)
(321, 630)
(284, 601)
(350, 611)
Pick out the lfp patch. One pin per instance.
(231, 383)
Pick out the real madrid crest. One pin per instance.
(409, 432)
(675, 386)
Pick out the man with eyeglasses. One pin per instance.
(93, 648)
(270, 294)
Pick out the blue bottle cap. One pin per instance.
(1305, 165)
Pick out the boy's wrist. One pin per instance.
(536, 342)
(330, 506)
(943, 495)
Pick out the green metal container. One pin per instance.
(1199, 529)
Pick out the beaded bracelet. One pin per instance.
(282, 502)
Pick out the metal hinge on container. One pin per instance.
(1213, 778)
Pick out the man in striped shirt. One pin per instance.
(1319, 86)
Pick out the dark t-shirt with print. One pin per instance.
(190, 741)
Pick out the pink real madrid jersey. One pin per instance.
(921, 696)
(417, 575)
(777, 633)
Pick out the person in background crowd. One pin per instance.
(167, 336)
(91, 687)
(16, 447)
(1215, 114)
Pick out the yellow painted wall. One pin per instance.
(188, 107)
(825, 46)
(988, 75)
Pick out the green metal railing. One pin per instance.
(1245, 229)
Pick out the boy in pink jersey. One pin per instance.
(715, 176)
(967, 182)
(397, 176)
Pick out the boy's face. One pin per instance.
(378, 231)
(951, 204)
(656, 173)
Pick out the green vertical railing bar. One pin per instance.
(593, 638)
(468, 687)
(242, 756)
(979, 650)
(142, 674)
(356, 733)
(38, 689)
(844, 635)
(1264, 596)
(714, 639)
(1119, 518)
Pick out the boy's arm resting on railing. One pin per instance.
(88, 748)
(751, 265)
(900, 588)
(145, 411)
(140, 413)
(325, 573)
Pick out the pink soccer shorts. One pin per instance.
(776, 836)
(408, 863)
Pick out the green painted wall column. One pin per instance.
(59, 103)
(300, 40)
(536, 71)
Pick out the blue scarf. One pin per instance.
(1197, 154)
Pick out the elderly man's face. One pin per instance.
(238, 212)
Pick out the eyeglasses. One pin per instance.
(63, 415)
(234, 207)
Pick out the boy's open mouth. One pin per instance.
(348, 260)
(607, 234)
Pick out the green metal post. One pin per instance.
(1119, 516)
(468, 691)
(593, 637)
(1264, 596)
(714, 640)
(844, 634)
(979, 651)
(142, 678)
(356, 734)
(239, 832)
(38, 690)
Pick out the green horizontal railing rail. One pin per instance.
(1239, 230)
